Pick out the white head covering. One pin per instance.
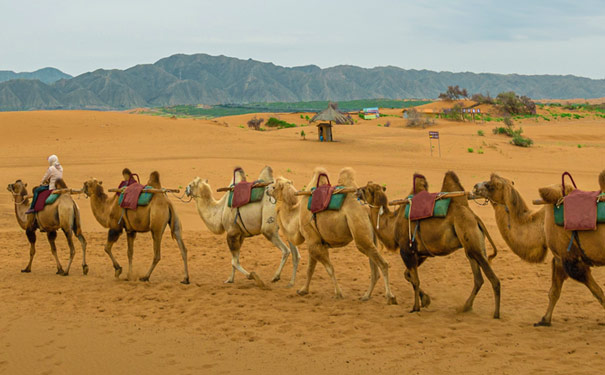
(52, 160)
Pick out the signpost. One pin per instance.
(434, 135)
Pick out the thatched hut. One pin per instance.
(330, 114)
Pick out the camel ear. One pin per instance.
(100, 182)
(384, 188)
(512, 182)
(25, 185)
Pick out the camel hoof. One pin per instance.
(85, 269)
(185, 281)
(542, 323)
(426, 300)
(467, 308)
(65, 274)
(364, 298)
(497, 315)
(392, 300)
(302, 292)
(118, 272)
(257, 279)
(144, 278)
(60, 272)
(414, 310)
(26, 270)
(290, 285)
(275, 279)
(339, 296)
(228, 281)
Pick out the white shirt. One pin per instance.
(52, 175)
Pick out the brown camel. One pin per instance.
(434, 237)
(153, 218)
(521, 228)
(586, 251)
(63, 214)
(328, 229)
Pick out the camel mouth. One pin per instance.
(480, 190)
(188, 190)
(11, 188)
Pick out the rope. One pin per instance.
(182, 196)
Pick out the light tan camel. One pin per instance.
(521, 228)
(329, 229)
(586, 251)
(287, 208)
(461, 228)
(153, 218)
(63, 214)
(253, 219)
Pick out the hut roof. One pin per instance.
(332, 114)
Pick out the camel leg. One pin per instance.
(285, 253)
(295, 261)
(31, 237)
(323, 257)
(112, 237)
(235, 243)
(310, 270)
(183, 249)
(72, 250)
(411, 261)
(425, 299)
(157, 252)
(52, 236)
(130, 237)
(478, 279)
(374, 276)
(83, 243)
(493, 279)
(558, 277)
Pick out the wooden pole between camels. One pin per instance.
(452, 194)
(336, 191)
(540, 202)
(60, 191)
(155, 191)
(256, 185)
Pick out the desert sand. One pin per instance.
(96, 324)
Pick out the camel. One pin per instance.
(287, 208)
(153, 218)
(63, 214)
(521, 228)
(329, 229)
(586, 251)
(253, 219)
(461, 228)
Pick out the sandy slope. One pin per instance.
(95, 324)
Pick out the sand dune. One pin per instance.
(96, 324)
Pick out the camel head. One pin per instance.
(199, 188)
(92, 186)
(18, 188)
(283, 190)
(372, 194)
(552, 194)
(496, 189)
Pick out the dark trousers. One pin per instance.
(37, 191)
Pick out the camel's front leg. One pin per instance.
(157, 253)
(130, 238)
(324, 257)
(374, 276)
(310, 270)
(235, 242)
(83, 243)
(183, 249)
(52, 236)
(31, 237)
(295, 261)
(72, 250)
(112, 237)
(478, 282)
(558, 277)
(285, 252)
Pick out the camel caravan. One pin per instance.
(420, 226)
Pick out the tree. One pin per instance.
(453, 93)
(255, 123)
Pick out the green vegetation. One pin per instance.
(519, 140)
(470, 149)
(480, 151)
(280, 124)
(480, 133)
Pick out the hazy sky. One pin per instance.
(509, 36)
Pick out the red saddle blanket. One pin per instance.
(131, 196)
(242, 192)
(41, 201)
(320, 199)
(422, 205)
(580, 209)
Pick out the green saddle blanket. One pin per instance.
(335, 202)
(144, 198)
(440, 209)
(256, 195)
(560, 213)
(52, 199)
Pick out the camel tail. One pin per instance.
(489, 238)
(174, 222)
(77, 223)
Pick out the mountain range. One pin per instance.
(46, 75)
(205, 79)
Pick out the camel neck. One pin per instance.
(21, 205)
(211, 212)
(101, 207)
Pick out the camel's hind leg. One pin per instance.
(295, 261)
(52, 236)
(323, 256)
(235, 243)
(112, 237)
(310, 270)
(374, 276)
(130, 238)
(478, 282)
(558, 277)
(72, 250)
(493, 279)
(285, 252)
(157, 252)
(31, 237)
(183, 249)
(83, 243)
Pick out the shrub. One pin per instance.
(455, 113)
(387, 124)
(453, 93)
(255, 123)
(503, 130)
(280, 124)
(519, 140)
(470, 149)
(512, 104)
(480, 133)
(303, 135)
(483, 99)
(415, 119)
(507, 121)
(480, 151)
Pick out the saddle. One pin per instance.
(242, 193)
(45, 197)
(129, 198)
(321, 195)
(425, 205)
(580, 208)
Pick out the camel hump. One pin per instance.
(319, 177)
(346, 177)
(266, 174)
(60, 184)
(238, 175)
(552, 194)
(419, 183)
(154, 180)
(602, 181)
